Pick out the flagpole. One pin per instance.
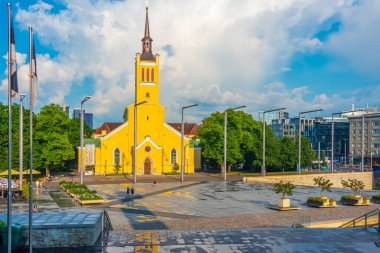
(31, 98)
(9, 214)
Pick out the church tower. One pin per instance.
(147, 70)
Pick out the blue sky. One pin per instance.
(296, 54)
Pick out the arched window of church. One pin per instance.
(142, 75)
(116, 156)
(147, 75)
(173, 156)
(152, 73)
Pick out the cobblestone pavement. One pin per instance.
(196, 205)
(215, 205)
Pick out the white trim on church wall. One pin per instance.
(147, 63)
(148, 83)
(146, 140)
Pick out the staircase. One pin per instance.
(370, 219)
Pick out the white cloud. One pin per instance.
(215, 52)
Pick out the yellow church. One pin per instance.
(158, 144)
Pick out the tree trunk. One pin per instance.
(229, 167)
(47, 171)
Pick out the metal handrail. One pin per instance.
(107, 225)
(365, 217)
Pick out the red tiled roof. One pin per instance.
(108, 126)
(189, 128)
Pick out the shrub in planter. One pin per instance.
(80, 191)
(355, 199)
(284, 189)
(351, 199)
(324, 185)
(376, 199)
(90, 197)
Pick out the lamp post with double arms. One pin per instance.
(182, 138)
(21, 137)
(263, 170)
(299, 137)
(135, 138)
(225, 139)
(81, 137)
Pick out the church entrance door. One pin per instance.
(147, 166)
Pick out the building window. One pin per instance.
(375, 138)
(116, 156)
(147, 75)
(375, 123)
(142, 75)
(375, 131)
(152, 73)
(173, 156)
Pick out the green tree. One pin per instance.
(52, 144)
(243, 139)
(307, 153)
(288, 153)
(354, 184)
(74, 132)
(323, 183)
(15, 136)
(284, 188)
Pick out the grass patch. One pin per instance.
(90, 197)
(350, 197)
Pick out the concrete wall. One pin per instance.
(307, 179)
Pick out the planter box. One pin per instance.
(316, 203)
(284, 203)
(89, 202)
(375, 200)
(351, 202)
(359, 202)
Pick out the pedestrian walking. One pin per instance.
(37, 183)
(35, 209)
(132, 191)
(128, 191)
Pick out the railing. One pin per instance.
(107, 225)
(370, 219)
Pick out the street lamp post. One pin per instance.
(299, 137)
(135, 138)
(332, 139)
(263, 170)
(182, 139)
(81, 137)
(21, 133)
(225, 139)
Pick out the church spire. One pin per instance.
(147, 42)
(147, 24)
